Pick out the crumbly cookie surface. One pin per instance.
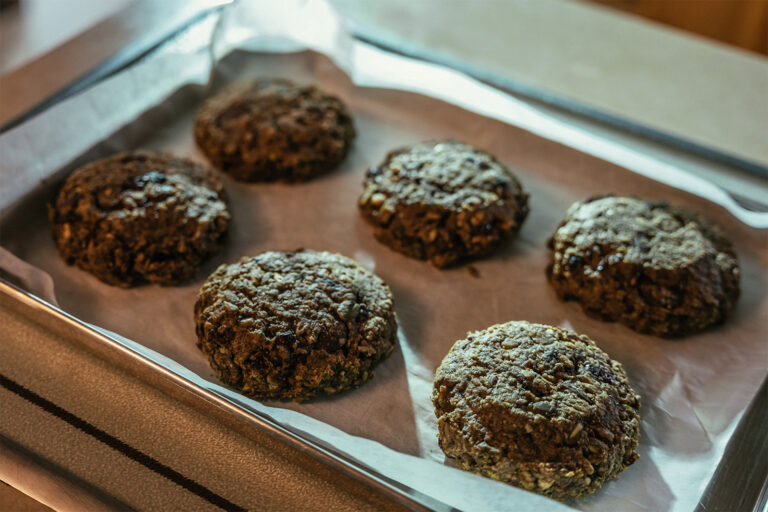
(292, 325)
(444, 202)
(272, 129)
(538, 407)
(140, 216)
(658, 269)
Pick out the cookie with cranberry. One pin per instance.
(140, 217)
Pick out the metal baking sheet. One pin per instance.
(694, 390)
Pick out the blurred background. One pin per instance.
(739, 23)
(742, 23)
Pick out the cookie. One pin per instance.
(140, 216)
(268, 130)
(444, 202)
(538, 407)
(655, 268)
(292, 325)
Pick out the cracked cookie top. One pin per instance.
(447, 174)
(649, 233)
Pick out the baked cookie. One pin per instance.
(291, 325)
(268, 130)
(443, 202)
(658, 269)
(140, 216)
(538, 407)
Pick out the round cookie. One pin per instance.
(291, 325)
(657, 269)
(268, 130)
(443, 202)
(140, 216)
(538, 407)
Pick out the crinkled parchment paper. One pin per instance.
(693, 390)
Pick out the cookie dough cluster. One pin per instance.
(536, 406)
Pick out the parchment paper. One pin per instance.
(693, 390)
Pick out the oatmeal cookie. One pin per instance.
(268, 130)
(140, 216)
(292, 325)
(655, 268)
(444, 202)
(538, 407)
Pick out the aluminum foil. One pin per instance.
(693, 390)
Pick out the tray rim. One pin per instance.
(140, 49)
(717, 495)
(399, 492)
(515, 87)
(718, 486)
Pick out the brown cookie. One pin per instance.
(140, 216)
(657, 269)
(269, 130)
(291, 325)
(444, 202)
(538, 407)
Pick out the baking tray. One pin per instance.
(540, 163)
